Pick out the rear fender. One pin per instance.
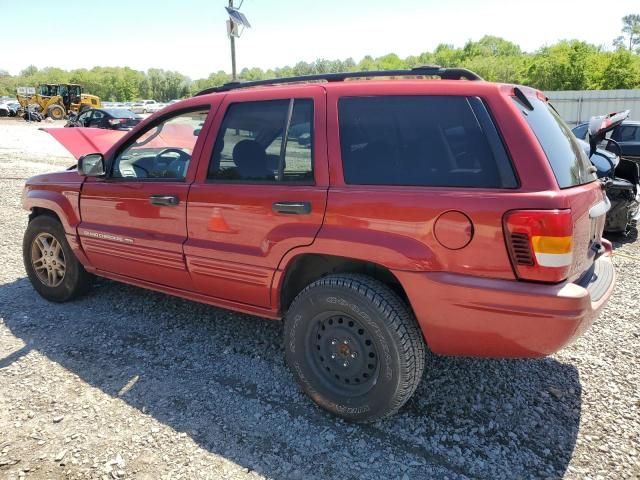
(391, 251)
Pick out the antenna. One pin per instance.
(236, 24)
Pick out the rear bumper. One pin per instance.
(472, 316)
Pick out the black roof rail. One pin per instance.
(426, 70)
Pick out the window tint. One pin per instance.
(581, 131)
(249, 146)
(163, 151)
(568, 160)
(627, 133)
(84, 116)
(423, 141)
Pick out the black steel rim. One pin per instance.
(343, 354)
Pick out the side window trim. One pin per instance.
(285, 139)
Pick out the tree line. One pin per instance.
(566, 65)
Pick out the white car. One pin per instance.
(145, 106)
(154, 107)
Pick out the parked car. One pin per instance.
(626, 135)
(14, 108)
(145, 106)
(112, 118)
(623, 174)
(458, 215)
(4, 109)
(155, 107)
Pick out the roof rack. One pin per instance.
(426, 70)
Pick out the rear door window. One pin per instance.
(569, 162)
(626, 133)
(421, 141)
(265, 141)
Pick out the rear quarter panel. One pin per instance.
(394, 226)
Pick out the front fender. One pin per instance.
(64, 203)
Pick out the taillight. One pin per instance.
(540, 243)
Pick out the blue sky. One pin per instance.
(190, 35)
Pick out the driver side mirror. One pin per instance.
(91, 165)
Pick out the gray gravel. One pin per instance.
(126, 383)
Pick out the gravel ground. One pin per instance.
(127, 383)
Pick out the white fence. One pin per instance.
(577, 106)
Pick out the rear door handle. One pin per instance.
(167, 200)
(292, 208)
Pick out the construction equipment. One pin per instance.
(58, 100)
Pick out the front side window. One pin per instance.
(265, 141)
(163, 151)
(421, 141)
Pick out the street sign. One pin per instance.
(26, 90)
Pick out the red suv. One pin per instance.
(376, 217)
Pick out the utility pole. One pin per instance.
(232, 39)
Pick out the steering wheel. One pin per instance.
(183, 158)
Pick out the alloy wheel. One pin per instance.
(47, 258)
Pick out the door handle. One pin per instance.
(167, 200)
(293, 208)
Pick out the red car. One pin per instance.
(455, 214)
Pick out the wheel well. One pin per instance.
(306, 269)
(39, 211)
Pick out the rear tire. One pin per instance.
(354, 347)
(56, 112)
(54, 271)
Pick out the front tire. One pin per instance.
(354, 347)
(54, 271)
(56, 112)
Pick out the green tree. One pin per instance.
(622, 71)
(630, 37)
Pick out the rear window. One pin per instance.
(568, 160)
(440, 141)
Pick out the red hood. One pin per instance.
(81, 141)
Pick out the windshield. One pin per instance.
(570, 164)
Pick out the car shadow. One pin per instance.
(220, 377)
(619, 240)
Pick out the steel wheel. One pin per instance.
(48, 260)
(343, 354)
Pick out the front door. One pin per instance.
(261, 192)
(134, 221)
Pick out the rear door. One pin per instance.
(261, 192)
(134, 222)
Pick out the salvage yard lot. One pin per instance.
(127, 383)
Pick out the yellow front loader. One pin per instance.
(57, 100)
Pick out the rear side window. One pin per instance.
(441, 141)
(568, 160)
(265, 141)
(626, 133)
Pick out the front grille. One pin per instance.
(521, 249)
